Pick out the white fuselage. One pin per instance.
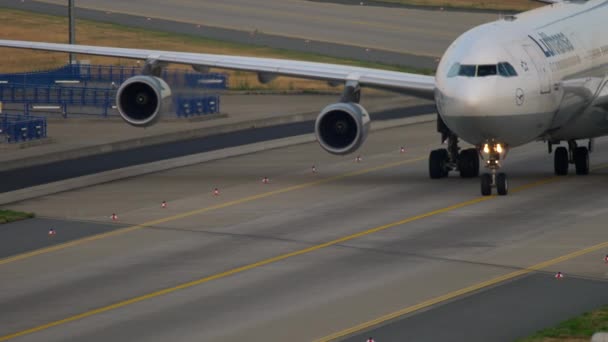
(503, 81)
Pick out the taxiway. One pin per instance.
(307, 255)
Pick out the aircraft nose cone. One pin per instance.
(466, 99)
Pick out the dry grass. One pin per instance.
(20, 25)
(517, 5)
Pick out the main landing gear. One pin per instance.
(442, 161)
(574, 154)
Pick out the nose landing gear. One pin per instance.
(492, 154)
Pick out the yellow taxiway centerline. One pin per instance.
(460, 292)
(282, 257)
(476, 287)
(204, 210)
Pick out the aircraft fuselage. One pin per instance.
(505, 81)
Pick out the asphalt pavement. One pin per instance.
(311, 254)
(32, 234)
(503, 313)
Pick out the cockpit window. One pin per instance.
(467, 70)
(486, 70)
(454, 70)
(506, 69)
(503, 69)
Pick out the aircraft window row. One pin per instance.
(503, 69)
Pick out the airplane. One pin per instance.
(539, 75)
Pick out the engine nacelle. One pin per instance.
(141, 100)
(341, 128)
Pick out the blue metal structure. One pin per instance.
(20, 128)
(65, 98)
(71, 88)
(198, 105)
(43, 94)
(84, 74)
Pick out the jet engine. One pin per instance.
(341, 128)
(141, 100)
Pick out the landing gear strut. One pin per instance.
(574, 154)
(493, 153)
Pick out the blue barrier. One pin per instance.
(83, 74)
(85, 96)
(19, 128)
(194, 106)
(33, 96)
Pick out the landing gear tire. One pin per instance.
(468, 163)
(438, 161)
(561, 161)
(581, 160)
(502, 184)
(486, 184)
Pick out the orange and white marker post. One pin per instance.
(216, 192)
(114, 217)
(559, 276)
(164, 205)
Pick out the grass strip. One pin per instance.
(579, 328)
(7, 216)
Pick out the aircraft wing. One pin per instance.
(407, 83)
(592, 89)
(602, 97)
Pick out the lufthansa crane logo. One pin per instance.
(519, 96)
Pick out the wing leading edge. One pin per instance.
(407, 83)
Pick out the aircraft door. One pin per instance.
(538, 60)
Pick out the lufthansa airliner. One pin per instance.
(535, 76)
